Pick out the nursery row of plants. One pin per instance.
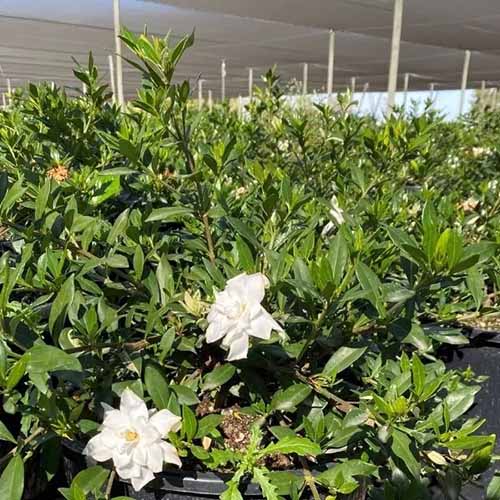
(264, 304)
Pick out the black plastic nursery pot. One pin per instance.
(172, 485)
(188, 485)
(482, 355)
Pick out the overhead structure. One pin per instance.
(39, 39)
(118, 49)
(395, 48)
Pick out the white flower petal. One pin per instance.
(97, 449)
(129, 470)
(155, 458)
(170, 454)
(142, 479)
(165, 421)
(262, 324)
(140, 455)
(132, 405)
(115, 419)
(238, 349)
(215, 331)
(251, 287)
(124, 461)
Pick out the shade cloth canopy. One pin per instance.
(39, 38)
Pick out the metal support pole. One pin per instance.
(52, 85)
(431, 90)
(118, 49)
(353, 85)
(366, 86)
(305, 76)
(240, 107)
(9, 91)
(112, 76)
(482, 95)
(210, 100)
(223, 80)
(395, 45)
(465, 77)
(331, 64)
(405, 90)
(4, 101)
(200, 94)
(84, 88)
(250, 84)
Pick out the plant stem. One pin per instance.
(129, 346)
(208, 236)
(27, 441)
(110, 484)
(314, 333)
(309, 479)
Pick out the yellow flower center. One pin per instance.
(131, 436)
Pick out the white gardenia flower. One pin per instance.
(133, 438)
(337, 214)
(238, 315)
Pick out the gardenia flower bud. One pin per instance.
(237, 315)
(133, 438)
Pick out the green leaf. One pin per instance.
(12, 195)
(207, 425)
(218, 376)
(168, 214)
(338, 255)
(16, 373)
(232, 492)
(185, 395)
(119, 227)
(288, 399)
(475, 283)
(91, 480)
(370, 282)
(45, 358)
(460, 401)
(157, 386)
(267, 488)
(5, 434)
(12, 480)
(401, 448)
(63, 300)
(418, 373)
(342, 476)
(493, 491)
(342, 359)
(189, 423)
(41, 199)
(292, 444)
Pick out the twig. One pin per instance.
(309, 479)
(129, 346)
(27, 441)
(110, 484)
(208, 236)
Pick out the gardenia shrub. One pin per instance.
(265, 296)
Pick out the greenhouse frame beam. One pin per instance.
(112, 76)
(305, 78)
(210, 100)
(395, 47)
(118, 49)
(200, 94)
(250, 84)
(405, 89)
(223, 80)
(465, 77)
(331, 64)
